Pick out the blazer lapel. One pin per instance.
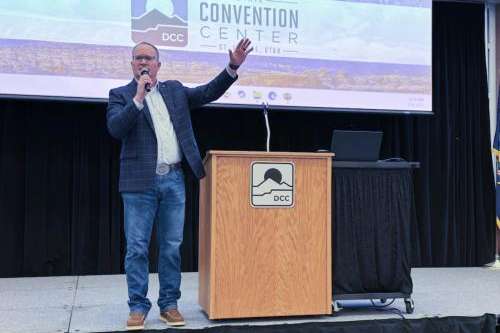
(147, 114)
(167, 93)
(132, 88)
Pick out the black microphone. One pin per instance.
(145, 71)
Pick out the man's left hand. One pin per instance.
(240, 52)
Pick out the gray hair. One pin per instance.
(148, 44)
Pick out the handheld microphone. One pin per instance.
(145, 71)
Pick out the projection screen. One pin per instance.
(308, 54)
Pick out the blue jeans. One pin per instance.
(164, 203)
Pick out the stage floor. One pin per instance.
(98, 303)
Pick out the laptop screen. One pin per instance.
(356, 145)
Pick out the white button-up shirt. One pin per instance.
(169, 151)
(168, 147)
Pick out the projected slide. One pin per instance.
(367, 54)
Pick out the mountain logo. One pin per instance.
(272, 184)
(160, 22)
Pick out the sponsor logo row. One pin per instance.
(258, 95)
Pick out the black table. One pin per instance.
(372, 206)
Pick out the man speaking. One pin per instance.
(152, 120)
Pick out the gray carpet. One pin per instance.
(98, 303)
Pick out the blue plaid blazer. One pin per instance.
(135, 128)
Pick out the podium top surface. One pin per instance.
(285, 154)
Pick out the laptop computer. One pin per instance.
(356, 145)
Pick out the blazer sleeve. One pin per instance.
(211, 91)
(121, 114)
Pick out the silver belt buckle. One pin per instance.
(162, 169)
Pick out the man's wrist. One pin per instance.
(138, 104)
(232, 73)
(233, 66)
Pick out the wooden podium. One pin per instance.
(265, 234)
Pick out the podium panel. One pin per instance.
(265, 234)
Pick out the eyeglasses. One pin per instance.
(147, 58)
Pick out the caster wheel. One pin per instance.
(410, 305)
(336, 306)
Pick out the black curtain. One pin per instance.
(61, 214)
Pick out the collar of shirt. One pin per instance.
(155, 87)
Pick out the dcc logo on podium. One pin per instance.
(160, 22)
(272, 184)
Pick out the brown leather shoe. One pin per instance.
(135, 321)
(172, 317)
